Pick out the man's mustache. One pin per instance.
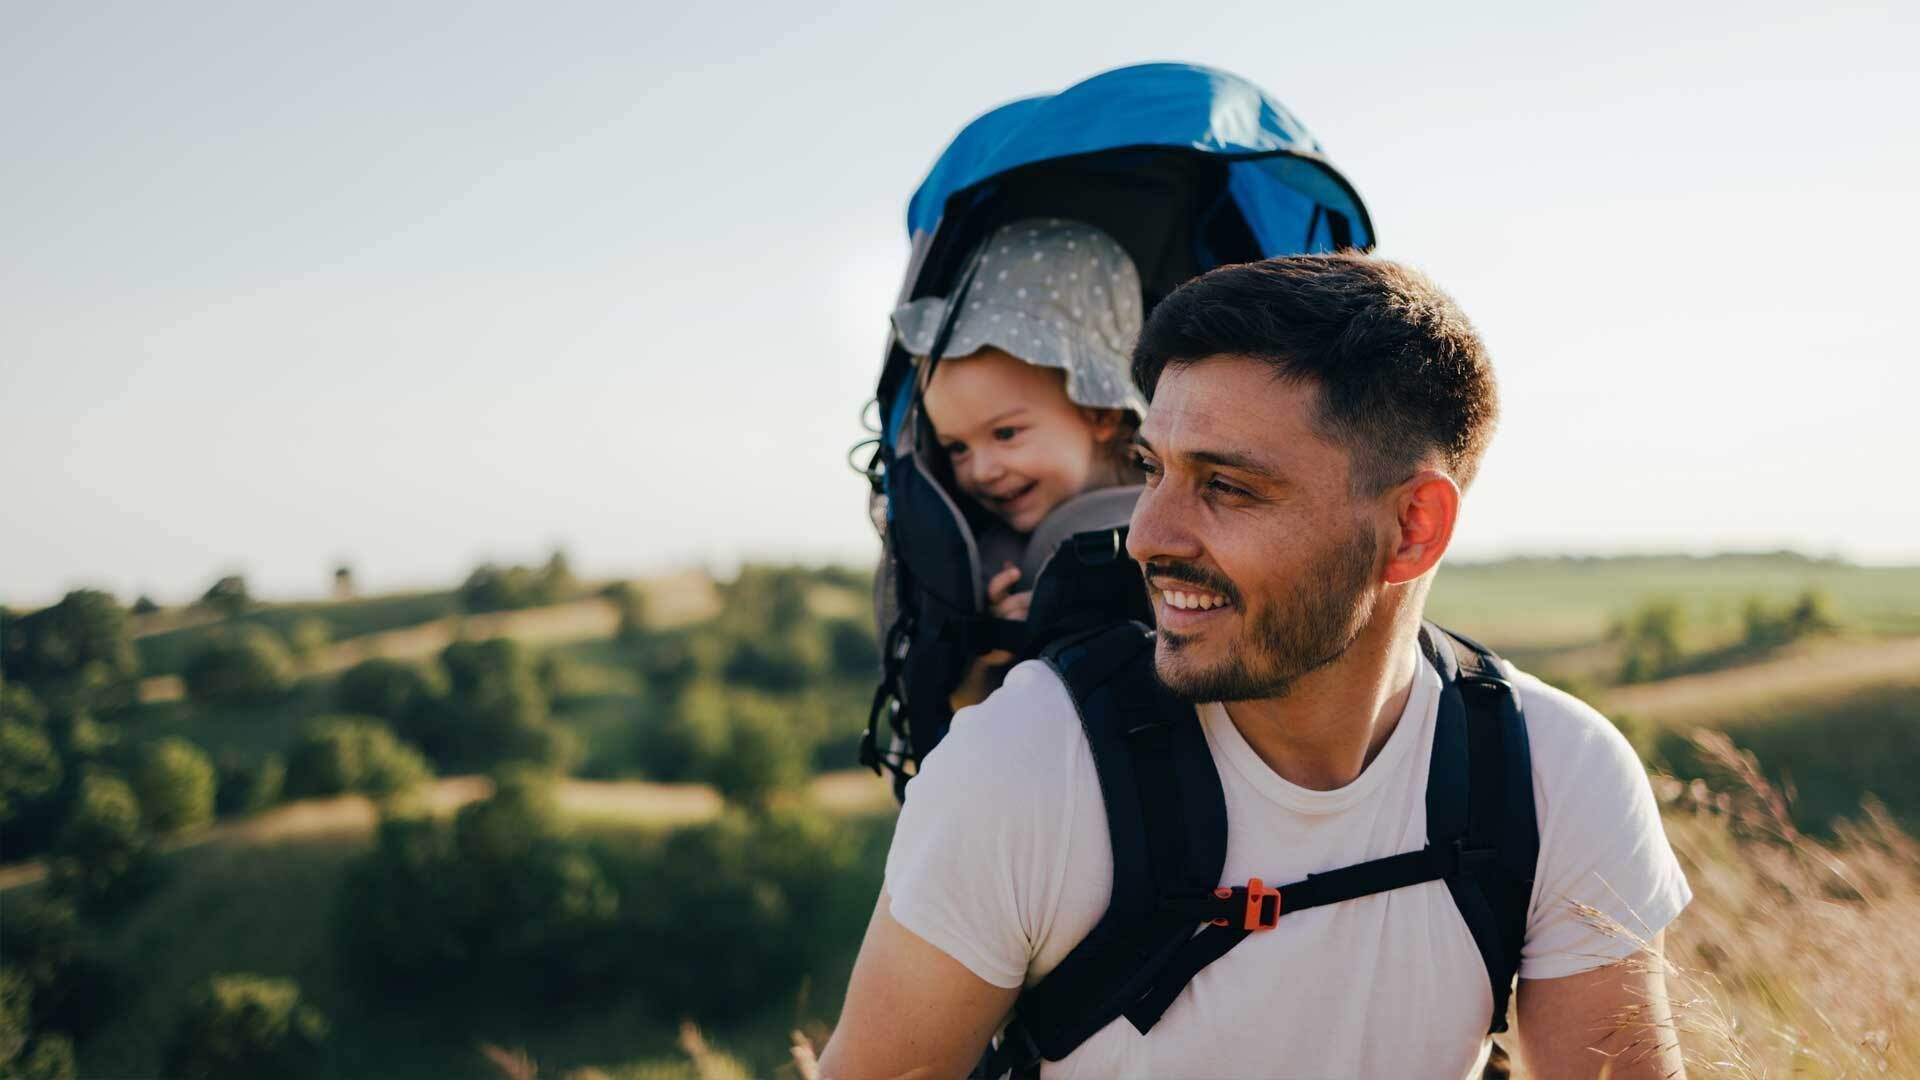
(1189, 574)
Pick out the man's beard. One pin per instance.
(1308, 629)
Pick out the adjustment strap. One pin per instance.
(1234, 913)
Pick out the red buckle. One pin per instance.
(1257, 892)
(1257, 917)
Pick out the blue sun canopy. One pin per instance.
(1278, 177)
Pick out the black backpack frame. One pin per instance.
(1166, 815)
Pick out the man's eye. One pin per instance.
(1224, 488)
(1147, 468)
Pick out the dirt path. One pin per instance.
(583, 801)
(673, 600)
(1819, 671)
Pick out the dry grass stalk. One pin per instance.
(1797, 957)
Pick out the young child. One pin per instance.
(1032, 402)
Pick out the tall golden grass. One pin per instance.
(1797, 957)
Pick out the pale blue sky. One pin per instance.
(416, 285)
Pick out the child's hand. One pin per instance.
(999, 601)
(983, 676)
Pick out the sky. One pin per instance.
(413, 286)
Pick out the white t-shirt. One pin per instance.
(1001, 859)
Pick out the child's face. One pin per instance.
(1018, 445)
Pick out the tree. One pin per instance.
(343, 585)
(78, 653)
(247, 1027)
(393, 690)
(309, 641)
(340, 754)
(556, 582)
(229, 596)
(30, 769)
(1650, 640)
(73, 987)
(249, 664)
(762, 756)
(175, 784)
(144, 606)
(494, 711)
(247, 785)
(100, 857)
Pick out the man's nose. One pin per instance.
(1161, 527)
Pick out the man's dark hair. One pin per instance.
(1402, 373)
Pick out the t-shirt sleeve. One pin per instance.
(1602, 842)
(980, 850)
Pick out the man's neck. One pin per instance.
(1332, 722)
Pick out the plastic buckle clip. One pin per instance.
(1262, 915)
(1263, 906)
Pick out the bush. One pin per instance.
(852, 650)
(100, 857)
(392, 690)
(144, 606)
(175, 784)
(49, 1057)
(506, 588)
(72, 987)
(499, 901)
(247, 786)
(763, 755)
(1767, 627)
(250, 664)
(30, 769)
(76, 654)
(630, 599)
(241, 1027)
(778, 661)
(342, 754)
(1650, 640)
(494, 711)
(309, 641)
(229, 596)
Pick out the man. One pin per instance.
(1312, 422)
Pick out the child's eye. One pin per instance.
(955, 449)
(1005, 433)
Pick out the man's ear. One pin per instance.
(1425, 509)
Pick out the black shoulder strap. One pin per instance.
(1480, 797)
(1483, 841)
(1167, 818)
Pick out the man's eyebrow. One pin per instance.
(1229, 459)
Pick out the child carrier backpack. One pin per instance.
(1187, 168)
(1167, 818)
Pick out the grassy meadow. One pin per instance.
(670, 761)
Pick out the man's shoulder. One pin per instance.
(1028, 726)
(1561, 726)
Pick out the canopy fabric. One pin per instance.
(1278, 175)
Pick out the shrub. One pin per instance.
(499, 901)
(247, 786)
(78, 653)
(240, 1026)
(1650, 640)
(175, 784)
(229, 596)
(392, 690)
(494, 711)
(778, 661)
(630, 599)
(100, 857)
(49, 1057)
(250, 664)
(341, 754)
(143, 606)
(763, 753)
(30, 769)
(45, 943)
(1765, 626)
(309, 641)
(852, 650)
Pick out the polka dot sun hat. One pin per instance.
(1054, 293)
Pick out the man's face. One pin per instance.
(1259, 564)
